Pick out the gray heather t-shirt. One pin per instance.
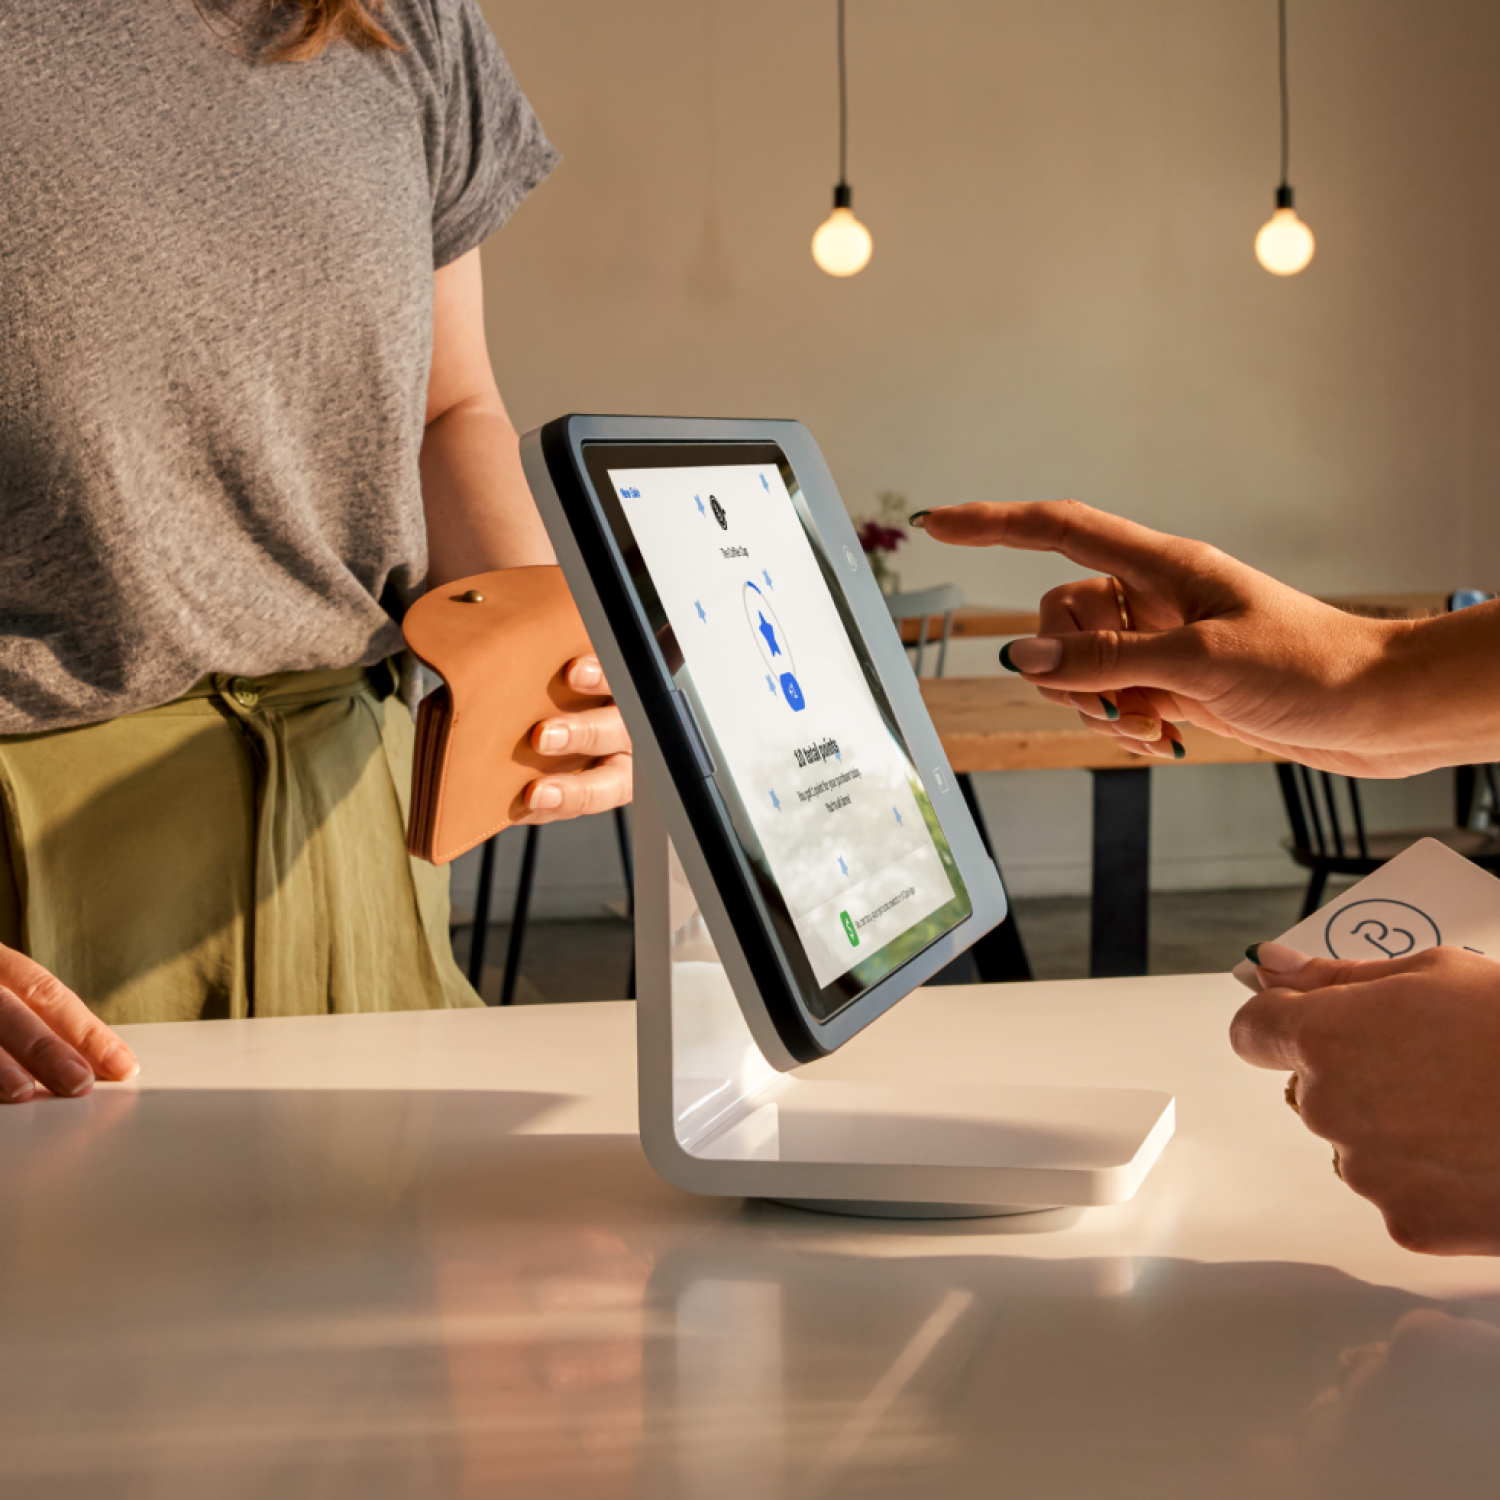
(215, 332)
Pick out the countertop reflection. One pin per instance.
(422, 1255)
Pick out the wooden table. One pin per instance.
(420, 1256)
(976, 621)
(1004, 724)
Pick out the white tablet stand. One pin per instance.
(718, 1119)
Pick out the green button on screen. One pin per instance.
(849, 928)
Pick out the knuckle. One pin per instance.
(1104, 650)
(43, 1052)
(46, 994)
(1411, 1231)
(1204, 555)
(1242, 1033)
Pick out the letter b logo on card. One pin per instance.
(1380, 929)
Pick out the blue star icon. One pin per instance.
(842, 865)
(769, 631)
(775, 800)
(698, 501)
(771, 683)
(699, 608)
(899, 818)
(767, 577)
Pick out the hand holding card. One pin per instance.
(1427, 897)
(1396, 1056)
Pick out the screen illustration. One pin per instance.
(819, 783)
(771, 641)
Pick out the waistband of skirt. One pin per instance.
(281, 690)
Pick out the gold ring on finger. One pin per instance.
(1126, 623)
(1291, 1094)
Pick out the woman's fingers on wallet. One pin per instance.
(594, 731)
(598, 789)
(585, 675)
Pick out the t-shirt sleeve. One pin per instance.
(493, 148)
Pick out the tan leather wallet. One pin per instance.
(500, 642)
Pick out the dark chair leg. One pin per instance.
(480, 931)
(627, 862)
(1464, 785)
(518, 916)
(1000, 955)
(1314, 891)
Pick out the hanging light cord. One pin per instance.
(1286, 127)
(844, 106)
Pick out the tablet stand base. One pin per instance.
(716, 1118)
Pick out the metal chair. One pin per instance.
(922, 605)
(1319, 842)
(1000, 955)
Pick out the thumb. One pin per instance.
(1284, 968)
(1176, 661)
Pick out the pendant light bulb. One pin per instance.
(842, 245)
(1285, 244)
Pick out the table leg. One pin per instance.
(1000, 955)
(1119, 914)
(1465, 783)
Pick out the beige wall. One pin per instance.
(1063, 298)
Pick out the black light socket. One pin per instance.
(843, 195)
(1284, 196)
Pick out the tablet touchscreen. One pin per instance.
(754, 630)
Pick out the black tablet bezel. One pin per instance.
(577, 463)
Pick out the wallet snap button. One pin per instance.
(244, 692)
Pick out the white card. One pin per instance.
(1426, 897)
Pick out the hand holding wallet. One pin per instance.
(500, 642)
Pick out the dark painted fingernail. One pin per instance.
(1110, 711)
(1179, 750)
(918, 518)
(1010, 666)
(1253, 953)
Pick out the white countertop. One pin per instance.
(422, 1255)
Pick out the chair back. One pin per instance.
(923, 605)
(1318, 831)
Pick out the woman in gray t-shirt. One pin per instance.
(246, 415)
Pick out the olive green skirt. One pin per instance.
(239, 851)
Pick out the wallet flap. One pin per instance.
(500, 642)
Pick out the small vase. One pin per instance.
(887, 579)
